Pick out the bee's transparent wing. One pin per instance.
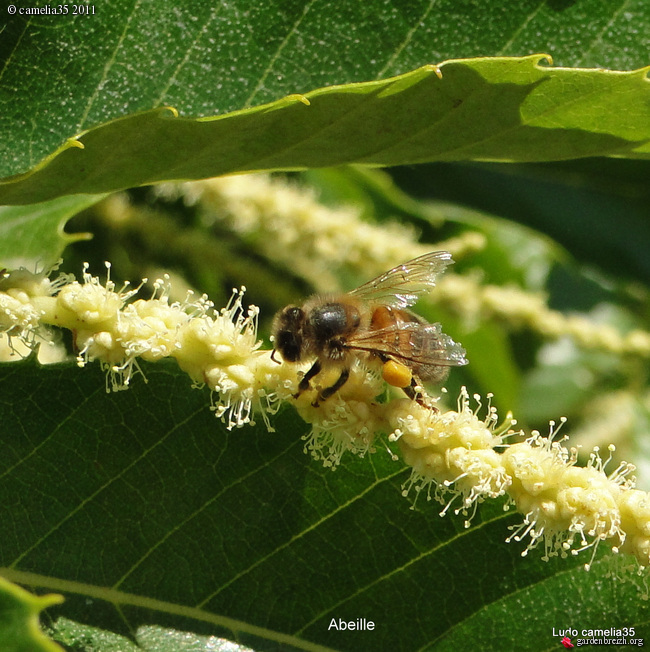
(403, 285)
(411, 343)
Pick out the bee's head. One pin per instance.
(288, 326)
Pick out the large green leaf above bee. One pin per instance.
(63, 72)
(508, 109)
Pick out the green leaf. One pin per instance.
(499, 109)
(33, 236)
(597, 209)
(64, 74)
(149, 512)
(559, 608)
(79, 637)
(493, 366)
(19, 611)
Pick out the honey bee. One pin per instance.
(371, 322)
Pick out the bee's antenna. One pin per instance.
(273, 357)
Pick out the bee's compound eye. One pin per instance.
(287, 333)
(288, 343)
(293, 314)
(396, 374)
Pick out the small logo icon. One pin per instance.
(566, 641)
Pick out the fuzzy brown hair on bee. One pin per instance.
(371, 322)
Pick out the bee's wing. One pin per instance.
(401, 286)
(411, 343)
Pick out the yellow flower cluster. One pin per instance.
(562, 502)
(568, 508)
(19, 317)
(217, 348)
(476, 302)
(289, 225)
(453, 448)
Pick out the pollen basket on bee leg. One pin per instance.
(396, 374)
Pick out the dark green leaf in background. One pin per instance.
(597, 209)
(151, 498)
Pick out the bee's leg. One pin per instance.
(304, 382)
(411, 392)
(415, 393)
(328, 391)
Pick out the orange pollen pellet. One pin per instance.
(396, 374)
